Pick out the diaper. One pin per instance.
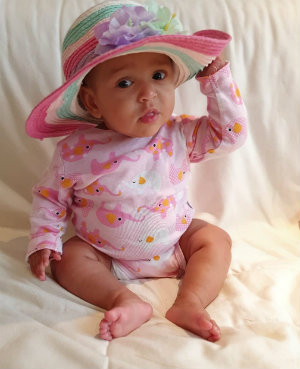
(169, 264)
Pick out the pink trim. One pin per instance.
(36, 125)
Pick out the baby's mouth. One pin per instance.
(150, 117)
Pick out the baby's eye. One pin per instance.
(159, 75)
(124, 83)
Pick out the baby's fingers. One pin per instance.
(38, 263)
(40, 272)
(55, 256)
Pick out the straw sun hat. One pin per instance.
(108, 30)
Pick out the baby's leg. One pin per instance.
(207, 250)
(85, 272)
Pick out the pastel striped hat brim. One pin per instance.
(60, 113)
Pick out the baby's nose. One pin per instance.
(147, 92)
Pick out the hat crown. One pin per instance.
(113, 24)
(79, 44)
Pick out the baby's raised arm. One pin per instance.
(224, 128)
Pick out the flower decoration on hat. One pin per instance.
(133, 23)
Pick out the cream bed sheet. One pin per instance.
(252, 193)
(42, 325)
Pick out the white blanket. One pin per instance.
(253, 193)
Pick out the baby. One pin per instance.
(123, 169)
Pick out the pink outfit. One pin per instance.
(128, 195)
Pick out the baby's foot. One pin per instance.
(195, 319)
(124, 318)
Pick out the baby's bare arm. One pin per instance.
(40, 260)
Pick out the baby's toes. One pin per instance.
(104, 330)
(215, 332)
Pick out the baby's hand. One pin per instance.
(40, 260)
(213, 67)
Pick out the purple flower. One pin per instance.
(128, 24)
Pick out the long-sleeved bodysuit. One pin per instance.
(128, 196)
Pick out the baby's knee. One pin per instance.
(219, 235)
(213, 238)
(203, 234)
(207, 231)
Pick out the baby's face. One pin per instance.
(133, 94)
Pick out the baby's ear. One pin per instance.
(87, 98)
